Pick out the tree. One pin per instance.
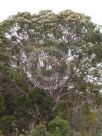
(68, 31)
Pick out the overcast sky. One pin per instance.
(92, 8)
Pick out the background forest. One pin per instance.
(72, 110)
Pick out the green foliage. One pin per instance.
(44, 102)
(59, 127)
(2, 106)
(89, 121)
(22, 106)
(33, 108)
(39, 131)
(7, 124)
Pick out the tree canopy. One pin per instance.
(21, 102)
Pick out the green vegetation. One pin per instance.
(74, 109)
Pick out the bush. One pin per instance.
(59, 127)
(40, 130)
